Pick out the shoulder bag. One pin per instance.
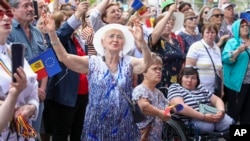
(136, 110)
(217, 80)
(204, 108)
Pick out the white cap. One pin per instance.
(225, 5)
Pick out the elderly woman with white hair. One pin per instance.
(108, 114)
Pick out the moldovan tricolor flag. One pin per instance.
(46, 64)
(150, 22)
(138, 6)
(48, 1)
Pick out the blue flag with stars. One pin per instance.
(50, 62)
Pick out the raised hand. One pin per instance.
(137, 31)
(20, 84)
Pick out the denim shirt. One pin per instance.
(34, 46)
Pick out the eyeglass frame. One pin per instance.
(7, 13)
(191, 18)
(218, 15)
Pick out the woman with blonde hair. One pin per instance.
(203, 16)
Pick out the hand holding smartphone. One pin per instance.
(17, 57)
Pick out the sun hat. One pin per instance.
(129, 38)
(165, 4)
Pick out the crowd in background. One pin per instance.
(73, 104)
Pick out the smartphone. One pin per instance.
(35, 9)
(17, 57)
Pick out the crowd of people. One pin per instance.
(106, 52)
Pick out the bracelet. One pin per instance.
(55, 43)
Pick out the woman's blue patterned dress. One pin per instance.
(108, 115)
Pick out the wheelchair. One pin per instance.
(175, 130)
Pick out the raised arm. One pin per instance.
(76, 63)
(140, 64)
(156, 34)
(103, 5)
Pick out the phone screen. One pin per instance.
(17, 57)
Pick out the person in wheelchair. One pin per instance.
(188, 92)
(151, 101)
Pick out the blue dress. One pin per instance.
(108, 115)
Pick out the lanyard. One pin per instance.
(5, 68)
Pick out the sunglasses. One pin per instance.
(7, 12)
(192, 18)
(218, 15)
(205, 12)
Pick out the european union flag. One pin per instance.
(46, 64)
(50, 62)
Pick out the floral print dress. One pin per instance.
(172, 58)
(108, 115)
(157, 99)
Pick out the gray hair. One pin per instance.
(14, 3)
(210, 13)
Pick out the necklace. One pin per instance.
(112, 70)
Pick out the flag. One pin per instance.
(150, 22)
(46, 64)
(48, 1)
(138, 6)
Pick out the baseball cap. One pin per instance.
(166, 3)
(225, 5)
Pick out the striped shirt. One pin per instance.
(88, 34)
(190, 98)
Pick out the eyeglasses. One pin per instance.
(7, 12)
(192, 18)
(205, 12)
(218, 15)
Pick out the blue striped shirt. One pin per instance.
(191, 98)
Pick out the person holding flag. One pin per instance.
(27, 105)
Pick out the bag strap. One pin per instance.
(210, 58)
(248, 53)
(126, 97)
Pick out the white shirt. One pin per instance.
(28, 96)
(204, 64)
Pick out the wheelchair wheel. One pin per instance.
(173, 131)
